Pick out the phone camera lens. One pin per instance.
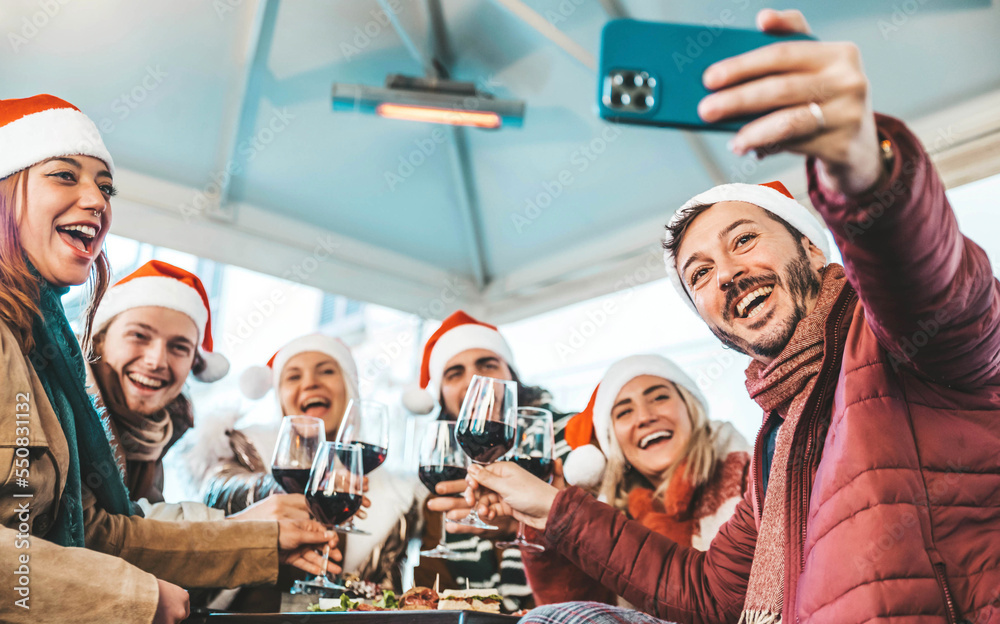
(616, 98)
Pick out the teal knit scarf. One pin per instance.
(59, 363)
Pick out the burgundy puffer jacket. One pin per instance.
(895, 509)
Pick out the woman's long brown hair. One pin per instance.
(19, 295)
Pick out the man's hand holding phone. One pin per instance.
(817, 93)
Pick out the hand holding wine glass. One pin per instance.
(441, 461)
(520, 493)
(334, 494)
(365, 423)
(487, 423)
(298, 440)
(533, 444)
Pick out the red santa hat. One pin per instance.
(771, 196)
(43, 126)
(256, 381)
(459, 332)
(164, 285)
(585, 464)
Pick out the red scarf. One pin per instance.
(784, 386)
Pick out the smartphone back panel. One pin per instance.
(650, 72)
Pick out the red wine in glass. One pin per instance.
(430, 476)
(292, 480)
(486, 427)
(532, 450)
(372, 456)
(333, 508)
(441, 460)
(299, 438)
(541, 467)
(365, 423)
(486, 442)
(334, 494)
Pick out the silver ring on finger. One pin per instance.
(817, 114)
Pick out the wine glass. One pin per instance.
(486, 426)
(334, 493)
(298, 440)
(532, 451)
(441, 460)
(367, 424)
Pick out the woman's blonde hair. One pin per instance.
(19, 297)
(699, 458)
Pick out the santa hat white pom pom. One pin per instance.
(255, 382)
(216, 367)
(417, 400)
(585, 466)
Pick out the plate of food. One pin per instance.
(417, 599)
(420, 605)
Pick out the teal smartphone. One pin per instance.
(650, 72)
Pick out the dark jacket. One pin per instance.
(894, 479)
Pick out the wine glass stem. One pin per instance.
(444, 530)
(520, 532)
(326, 559)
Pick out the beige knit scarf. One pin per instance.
(784, 386)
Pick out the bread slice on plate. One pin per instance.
(484, 600)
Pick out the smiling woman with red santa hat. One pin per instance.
(313, 375)
(63, 486)
(645, 444)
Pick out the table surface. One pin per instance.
(356, 617)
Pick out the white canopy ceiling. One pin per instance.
(219, 118)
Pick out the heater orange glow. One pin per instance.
(451, 117)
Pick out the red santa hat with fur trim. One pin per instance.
(256, 381)
(163, 285)
(43, 126)
(459, 332)
(771, 196)
(585, 464)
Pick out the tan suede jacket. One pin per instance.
(114, 578)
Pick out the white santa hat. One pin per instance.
(771, 196)
(163, 285)
(256, 381)
(585, 464)
(43, 126)
(459, 332)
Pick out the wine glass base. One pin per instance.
(474, 522)
(439, 552)
(520, 543)
(351, 530)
